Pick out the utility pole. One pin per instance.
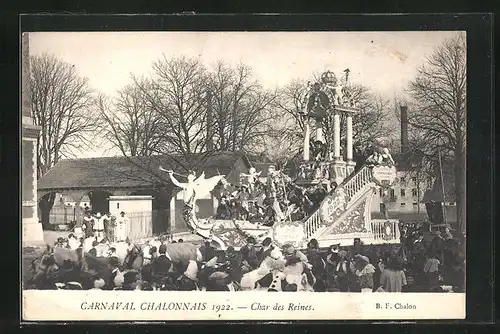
(442, 187)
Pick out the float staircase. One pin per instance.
(354, 188)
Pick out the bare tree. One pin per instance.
(439, 92)
(130, 123)
(64, 107)
(240, 108)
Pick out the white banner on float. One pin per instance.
(95, 305)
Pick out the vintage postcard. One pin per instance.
(187, 175)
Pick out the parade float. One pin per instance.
(327, 198)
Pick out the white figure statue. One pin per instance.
(195, 187)
(386, 157)
(251, 178)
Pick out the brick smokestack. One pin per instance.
(404, 129)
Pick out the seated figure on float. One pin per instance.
(380, 157)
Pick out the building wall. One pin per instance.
(405, 195)
(130, 204)
(32, 229)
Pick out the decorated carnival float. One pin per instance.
(327, 198)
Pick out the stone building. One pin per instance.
(32, 229)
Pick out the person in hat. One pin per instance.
(267, 248)
(357, 248)
(249, 255)
(289, 252)
(262, 276)
(207, 250)
(161, 265)
(318, 265)
(331, 260)
(341, 273)
(223, 210)
(364, 272)
(393, 278)
(234, 260)
(109, 275)
(297, 270)
(220, 281)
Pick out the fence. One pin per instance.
(385, 230)
(140, 225)
(157, 221)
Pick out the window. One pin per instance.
(414, 179)
(117, 205)
(403, 204)
(415, 203)
(403, 192)
(414, 192)
(392, 195)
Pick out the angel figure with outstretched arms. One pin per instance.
(195, 187)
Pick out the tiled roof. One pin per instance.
(129, 172)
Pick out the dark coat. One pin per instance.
(109, 278)
(160, 267)
(208, 253)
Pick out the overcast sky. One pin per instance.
(383, 61)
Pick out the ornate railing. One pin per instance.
(357, 182)
(312, 224)
(351, 186)
(385, 230)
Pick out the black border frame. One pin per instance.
(480, 159)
